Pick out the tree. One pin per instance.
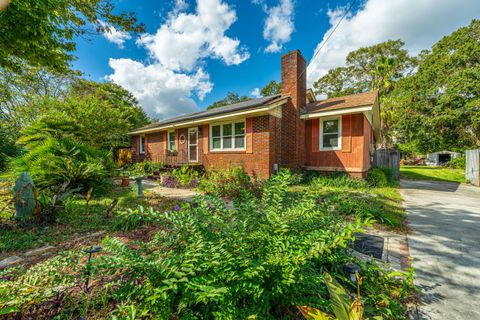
(116, 96)
(102, 112)
(377, 67)
(42, 33)
(231, 98)
(18, 91)
(272, 88)
(57, 157)
(439, 106)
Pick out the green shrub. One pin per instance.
(458, 163)
(379, 178)
(258, 261)
(144, 168)
(186, 176)
(55, 162)
(336, 181)
(133, 218)
(228, 183)
(56, 158)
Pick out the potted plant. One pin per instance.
(125, 178)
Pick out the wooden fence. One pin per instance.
(472, 168)
(388, 159)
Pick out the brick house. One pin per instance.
(291, 130)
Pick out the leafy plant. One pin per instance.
(228, 183)
(343, 307)
(458, 163)
(379, 178)
(133, 218)
(336, 181)
(186, 176)
(56, 157)
(143, 168)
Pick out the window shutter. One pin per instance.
(205, 137)
(249, 135)
(315, 135)
(347, 133)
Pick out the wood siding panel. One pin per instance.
(339, 160)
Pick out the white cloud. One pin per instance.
(278, 24)
(256, 93)
(115, 36)
(186, 38)
(162, 92)
(419, 23)
(177, 50)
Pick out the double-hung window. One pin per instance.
(142, 145)
(227, 136)
(171, 140)
(331, 134)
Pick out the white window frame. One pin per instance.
(233, 136)
(168, 141)
(141, 149)
(339, 147)
(194, 129)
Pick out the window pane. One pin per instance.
(227, 143)
(216, 143)
(240, 142)
(227, 130)
(193, 153)
(216, 131)
(330, 126)
(330, 141)
(239, 128)
(171, 140)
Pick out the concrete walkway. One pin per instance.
(444, 242)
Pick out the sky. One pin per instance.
(194, 52)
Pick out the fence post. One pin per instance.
(472, 166)
(388, 159)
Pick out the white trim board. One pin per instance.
(336, 112)
(268, 109)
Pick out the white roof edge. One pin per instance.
(337, 112)
(263, 108)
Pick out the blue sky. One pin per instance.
(195, 52)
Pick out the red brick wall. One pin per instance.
(258, 162)
(353, 157)
(292, 132)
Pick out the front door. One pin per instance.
(192, 144)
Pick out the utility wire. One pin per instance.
(331, 33)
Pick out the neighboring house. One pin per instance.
(441, 157)
(291, 130)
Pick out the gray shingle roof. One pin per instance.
(245, 105)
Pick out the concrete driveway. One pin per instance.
(444, 242)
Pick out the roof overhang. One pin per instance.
(371, 112)
(269, 108)
(337, 112)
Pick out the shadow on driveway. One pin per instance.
(444, 242)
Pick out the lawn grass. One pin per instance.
(76, 219)
(382, 204)
(430, 173)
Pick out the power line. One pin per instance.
(331, 33)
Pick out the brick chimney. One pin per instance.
(294, 78)
(294, 85)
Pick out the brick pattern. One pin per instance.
(258, 163)
(294, 85)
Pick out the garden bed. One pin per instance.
(75, 220)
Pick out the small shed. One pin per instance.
(441, 157)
